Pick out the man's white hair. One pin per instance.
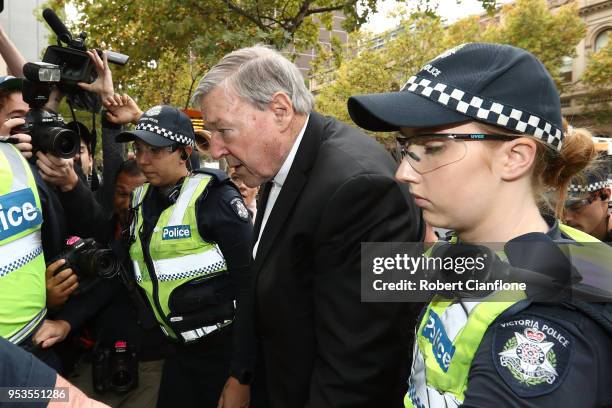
(256, 74)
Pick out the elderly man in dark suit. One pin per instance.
(327, 187)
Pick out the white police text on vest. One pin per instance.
(18, 213)
(441, 346)
(176, 232)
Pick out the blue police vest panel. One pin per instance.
(18, 213)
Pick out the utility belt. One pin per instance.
(201, 307)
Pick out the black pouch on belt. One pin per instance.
(203, 302)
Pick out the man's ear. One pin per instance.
(518, 157)
(282, 108)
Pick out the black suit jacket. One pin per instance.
(323, 347)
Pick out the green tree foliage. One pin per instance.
(171, 42)
(528, 24)
(549, 35)
(596, 79)
(380, 70)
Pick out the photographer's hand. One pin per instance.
(60, 285)
(24, 142)
(57, 171)
(234, 395)
(51, 332)
(103, 85)
(122, 109)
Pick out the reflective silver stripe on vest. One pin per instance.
(17, 253)
(191, 335)
(184, 198)
(137, 273)
(20, 176)
(190, 265)
(27, 329)
(136, 202)
(422, 395)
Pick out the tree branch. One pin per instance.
(245, 14)
(296, 21)
(330, 8)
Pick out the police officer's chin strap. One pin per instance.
(534, 259)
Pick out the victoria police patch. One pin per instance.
(239, 208)
(531, 354)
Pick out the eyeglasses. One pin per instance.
(153, 151)
(577, 205)
(428, 152)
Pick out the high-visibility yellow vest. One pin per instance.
(178, 252)
(440, 369)
(22, 264)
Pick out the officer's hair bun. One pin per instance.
(555, 170)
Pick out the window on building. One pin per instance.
(602, 39)
(566, 69)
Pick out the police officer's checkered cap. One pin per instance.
(162, 125)
(496, 84)
(587, 188)
(168, 134)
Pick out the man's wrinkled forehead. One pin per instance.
(218, 106)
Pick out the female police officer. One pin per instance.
(189, 245)
(481, 136)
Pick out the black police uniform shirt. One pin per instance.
(20, 370)
(574, 355)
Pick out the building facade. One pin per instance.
(19, 21)
(597, 15)
(305, 57)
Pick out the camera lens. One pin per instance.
(65, 143)
(123, 372)
(121, 379)
(106, 265)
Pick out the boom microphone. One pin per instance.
(56, 25)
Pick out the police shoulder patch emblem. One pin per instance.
(531, 354)
(239, 208)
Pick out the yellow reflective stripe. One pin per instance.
(6, 173)
(577, 235)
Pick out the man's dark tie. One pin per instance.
(261, 208)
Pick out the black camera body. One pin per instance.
(88, 259)
(115, 368)
(49, 134)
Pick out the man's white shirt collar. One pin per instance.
(277, 183)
